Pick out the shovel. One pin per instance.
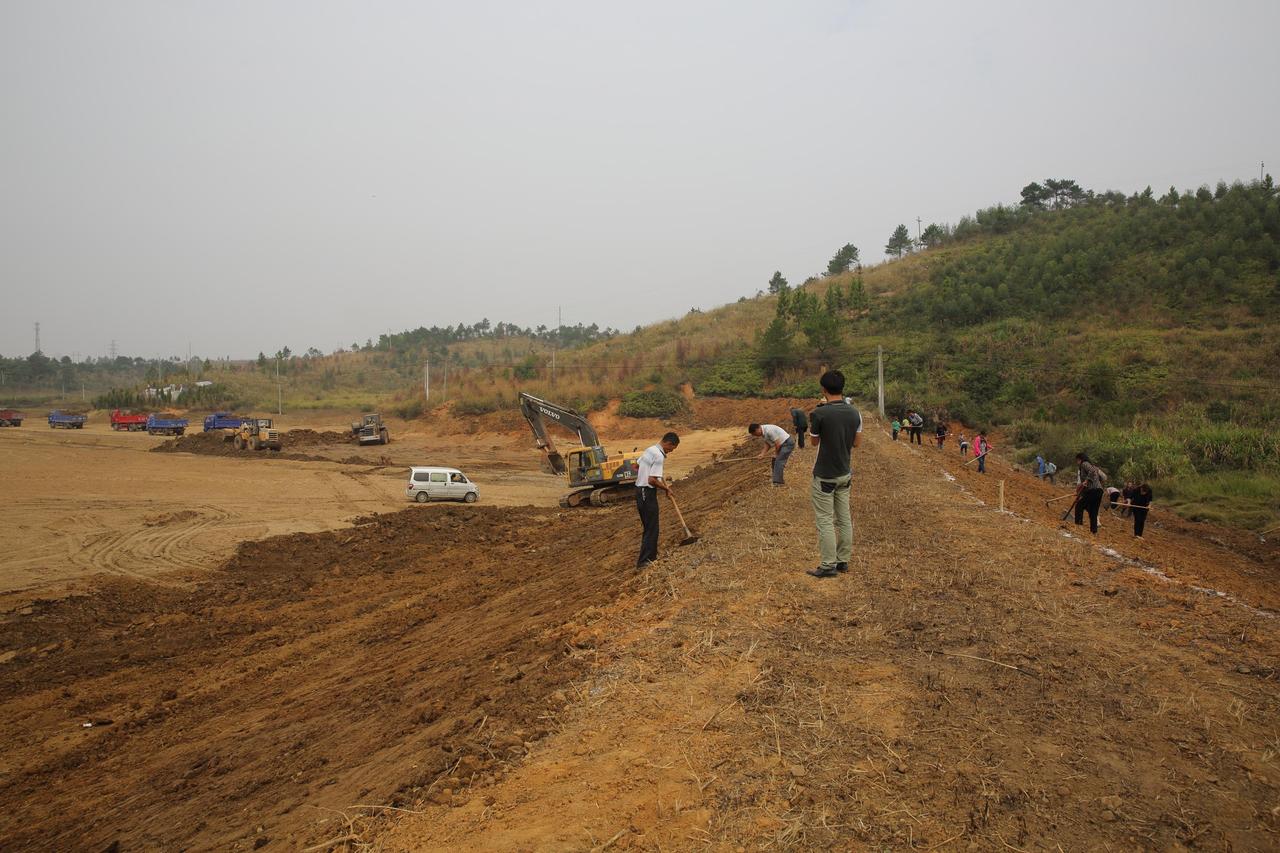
(689, 537)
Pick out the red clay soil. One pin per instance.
(1196, 553)
(313, 672)
(977, 681)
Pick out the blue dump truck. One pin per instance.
(161, 425)
(63, 420)
(223, 420)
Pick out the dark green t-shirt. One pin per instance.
(836, 424)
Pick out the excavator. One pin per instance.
(595, 477)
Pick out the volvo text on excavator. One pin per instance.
(595, 477)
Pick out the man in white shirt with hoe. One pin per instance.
(779, 442)
(649, 481)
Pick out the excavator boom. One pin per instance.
(538, 411)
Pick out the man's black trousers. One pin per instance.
(647, 506)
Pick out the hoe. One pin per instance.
(689, 537)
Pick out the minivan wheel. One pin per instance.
(470, 497)
(422, 497)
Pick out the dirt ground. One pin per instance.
(92, 501)
(500, 677)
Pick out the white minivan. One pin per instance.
(441, 484)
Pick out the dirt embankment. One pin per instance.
(414, 657)
(977, 681)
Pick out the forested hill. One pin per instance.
(1181, 257)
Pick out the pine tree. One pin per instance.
(778, 284)
(845, 257)
(899, 242)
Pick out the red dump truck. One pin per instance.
(127, 420)
(11, 417)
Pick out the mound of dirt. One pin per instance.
(220, 444)
(207, 443)
(315, 438)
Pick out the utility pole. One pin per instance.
(279, 389)
(917, 229)
(446, 377)
(426, 378)
(113, 349)
(37, 337)
(880, 376)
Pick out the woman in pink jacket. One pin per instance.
(980, 449)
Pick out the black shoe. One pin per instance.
(823, 572)
(842, 567)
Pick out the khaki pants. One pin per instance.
(831, 514)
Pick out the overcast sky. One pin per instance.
(241, 176)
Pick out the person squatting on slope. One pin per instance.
(836, 428)
(801, 422)
(1089, 480)
(779, 442)
(649, 481)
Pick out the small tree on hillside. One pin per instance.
(933, 235)
(845, 257)
(1034, 196)
(778, 284)
(776, 348)
(899, 242)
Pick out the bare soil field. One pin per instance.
(93, 501)
(501, 678)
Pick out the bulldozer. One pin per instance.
(257, 434)
(370, 430)
(595, 477)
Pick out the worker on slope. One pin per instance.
(800, 421)
(1141, 501)
(836, 428)
(777, 441)
(1089, 481)
(915, 425)
(649, 481)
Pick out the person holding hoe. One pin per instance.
(649, 481)
(1089, 491)
(779, 442)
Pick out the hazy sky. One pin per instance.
(248, 175)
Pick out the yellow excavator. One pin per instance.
(595, 477)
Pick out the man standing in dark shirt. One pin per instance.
(836, 428)
(801, 423)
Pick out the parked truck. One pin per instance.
(370, 430)
(257, 434)
(223, 420)
(127, 420)
(65, 420)
(11, 417)
(162, 425)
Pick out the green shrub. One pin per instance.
(651, 404)
(119, 398)
(411, 409)
(732, 379)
